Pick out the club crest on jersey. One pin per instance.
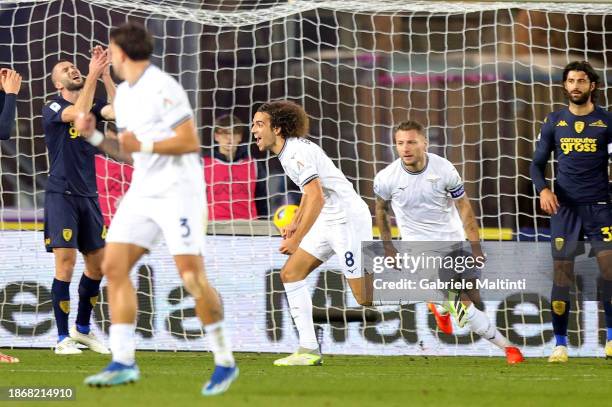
(433, 179)
(67, 234)
(579, 126)
(104, 231)
(562, 123)
(559, 242)
(598, 123)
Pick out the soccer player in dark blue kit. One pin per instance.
(73, 219)
(581, 137)
(10, 83)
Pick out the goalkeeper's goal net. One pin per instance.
(481, 77)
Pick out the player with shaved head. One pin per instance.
(73, 220)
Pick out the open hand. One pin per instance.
(289, 246)
(10, 81)
(99, 62)
(97, 51)
(548, 201)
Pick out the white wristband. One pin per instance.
(146, 147)
(96, 138)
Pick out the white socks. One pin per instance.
(479, 324)
(300, 306)
(123, 343)
(220, 344)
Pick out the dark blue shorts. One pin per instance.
(572, 224)
(73, 222)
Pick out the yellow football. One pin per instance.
(284, 215)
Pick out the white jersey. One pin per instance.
(423, 201)
(304, 161)
(152, 108)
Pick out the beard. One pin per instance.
(72, 86)
(579, 100)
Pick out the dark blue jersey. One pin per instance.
(71, 159)
(7, 114)
(581, 146)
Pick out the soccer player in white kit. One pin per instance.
(429, 202)
(331, 218)
(166, 197)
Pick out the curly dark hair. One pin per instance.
(587, 68)
(287, 116)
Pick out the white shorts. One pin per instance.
(142, 220)
(344, 239)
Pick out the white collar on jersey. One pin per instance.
(416, 172)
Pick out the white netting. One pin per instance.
(479, 76)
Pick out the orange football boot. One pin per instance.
(443, 321)
(514, 355)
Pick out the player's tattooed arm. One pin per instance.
(470, 225)
(383, 222)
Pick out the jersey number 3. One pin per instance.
(185, 226)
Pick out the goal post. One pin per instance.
(481, 76)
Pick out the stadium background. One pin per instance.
(357, 68)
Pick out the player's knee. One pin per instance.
(288, 275)
(563, 273)
(194, 283)
(64, 265)
(112, 270)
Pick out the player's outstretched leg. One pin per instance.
(479, 323)
(118, 261)
(457, 308)
(293, 275)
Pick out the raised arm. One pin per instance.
(86, 96)
(109, 85)
(10, 82)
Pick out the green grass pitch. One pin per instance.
(174, 379)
